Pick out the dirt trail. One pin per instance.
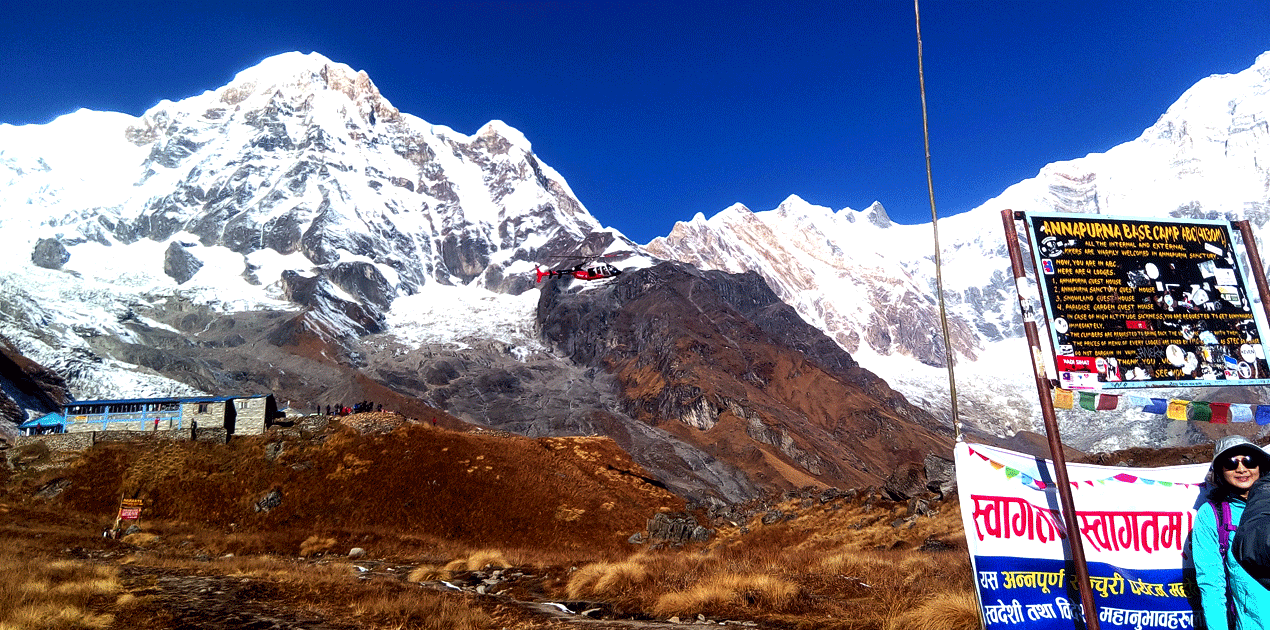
(179, 600)
(173, 599)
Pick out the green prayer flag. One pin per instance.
(1199, 411)
(1088, 400)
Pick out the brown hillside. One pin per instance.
(719, 362)
(416, 480)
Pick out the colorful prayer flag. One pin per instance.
(1221, 412)
(1199, 412)
(1177, 409)
(1089, 400)
(1063, 399)
(1156, 405)
(1107, 402)
(1263, 414)
(1241, 413)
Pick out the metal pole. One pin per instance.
(1254, 261)
(1051, 427)
(934, 225)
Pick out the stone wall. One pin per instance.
(83, 440)
(139, 436)
(59, 441)
(213, 414)
(252, 418)
(215, 434)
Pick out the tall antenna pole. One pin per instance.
(934, 224)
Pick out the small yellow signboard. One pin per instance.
(130, 509)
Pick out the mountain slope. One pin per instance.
(721, 363)
(293, 232)
(869, 283)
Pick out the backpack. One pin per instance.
(1251, 544)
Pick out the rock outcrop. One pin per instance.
(718, 361)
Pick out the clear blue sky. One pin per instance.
(656, 111)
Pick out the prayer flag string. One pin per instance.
(1027, 480)
(1175, 409)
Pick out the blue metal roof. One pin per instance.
(46, 420)
(194, 399)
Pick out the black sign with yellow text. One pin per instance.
(1145, 302)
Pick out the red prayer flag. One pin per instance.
(1221, 412)
(1107, 401)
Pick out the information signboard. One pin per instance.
(130, 509)
(1138, 302)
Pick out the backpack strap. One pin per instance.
(1224, 528)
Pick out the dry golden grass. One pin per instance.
(945, 611)
(610, 580)
(315, 544)
(141, 539)
(54, 595)
(837, 566)
(427, 573)
(811, 570)
(728, 594)
(479, 560)
(854, 563)
(277, 569)
(420, 609)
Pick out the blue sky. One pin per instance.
(654, 111)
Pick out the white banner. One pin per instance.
(1134, 523)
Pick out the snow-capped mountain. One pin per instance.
(294, 233)
(296, 156)
(295, 186)
(870, 284)
(268, 232)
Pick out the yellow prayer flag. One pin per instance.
(1064, 398)
(1177, 409)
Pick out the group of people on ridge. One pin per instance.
(362, 407)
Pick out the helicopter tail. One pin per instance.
(540, 273)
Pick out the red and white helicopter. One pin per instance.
(588, 270)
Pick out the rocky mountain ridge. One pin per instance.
(870, 283)
(292, 232)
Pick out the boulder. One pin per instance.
(941, 475)
(49, 253)
(180, 264)
(676, 528)
(271, 500)
(908, 481)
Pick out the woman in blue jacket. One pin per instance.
(1226, 590)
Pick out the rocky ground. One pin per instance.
(373, 521)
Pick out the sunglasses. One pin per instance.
(1247, 460)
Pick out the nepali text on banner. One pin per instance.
(1134, 524)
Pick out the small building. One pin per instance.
(238, 415)
(45, 424)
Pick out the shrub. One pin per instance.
(723, 594)
(945, 611)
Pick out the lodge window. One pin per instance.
(202, 407)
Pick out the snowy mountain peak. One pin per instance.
(877, 215)
(870, 283)
(294, 69)
(500, 129)
(296, 185)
